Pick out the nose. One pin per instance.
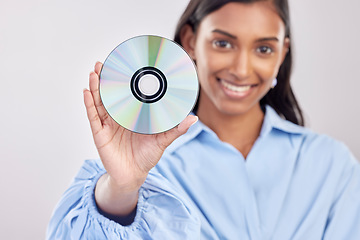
(241, 65)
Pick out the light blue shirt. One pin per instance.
(294, 184)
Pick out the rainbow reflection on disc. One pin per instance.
(148, 84)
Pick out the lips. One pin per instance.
(234, 89)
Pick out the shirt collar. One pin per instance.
(271, 121)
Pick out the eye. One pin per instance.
(221, 44)
(264, 50)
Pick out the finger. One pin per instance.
(94, 89)
(92, 113)
(98, 66)
(187, 123)
(169, 136)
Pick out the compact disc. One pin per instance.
(148, 84)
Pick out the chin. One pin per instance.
(236, 109)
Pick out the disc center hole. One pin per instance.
(149, 84)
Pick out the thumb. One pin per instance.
(179, 130)
(186, 124)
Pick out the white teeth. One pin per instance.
(235, 88)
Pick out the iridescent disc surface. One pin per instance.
(148, 84)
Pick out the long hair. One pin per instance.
(281, 98)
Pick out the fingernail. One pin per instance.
(196, 118)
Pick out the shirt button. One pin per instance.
(146, 193)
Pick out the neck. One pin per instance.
(239, 130)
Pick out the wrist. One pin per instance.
(126, 186)
(115, 199)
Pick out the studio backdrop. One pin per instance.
(48, 48)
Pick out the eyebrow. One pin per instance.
(267, 39)
(224, 33)
(234, 37)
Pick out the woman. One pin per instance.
(246, 170)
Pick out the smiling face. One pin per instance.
(238, 50)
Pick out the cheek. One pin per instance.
(204, 63)
(266, 69)
(209, 63)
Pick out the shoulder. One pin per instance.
(322, 146)
(318, 146)
(309, 146)
(322, 155)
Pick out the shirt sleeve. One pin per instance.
(344, 216)
(161, 213)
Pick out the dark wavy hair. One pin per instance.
(281, 98)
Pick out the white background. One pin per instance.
(47, 49)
